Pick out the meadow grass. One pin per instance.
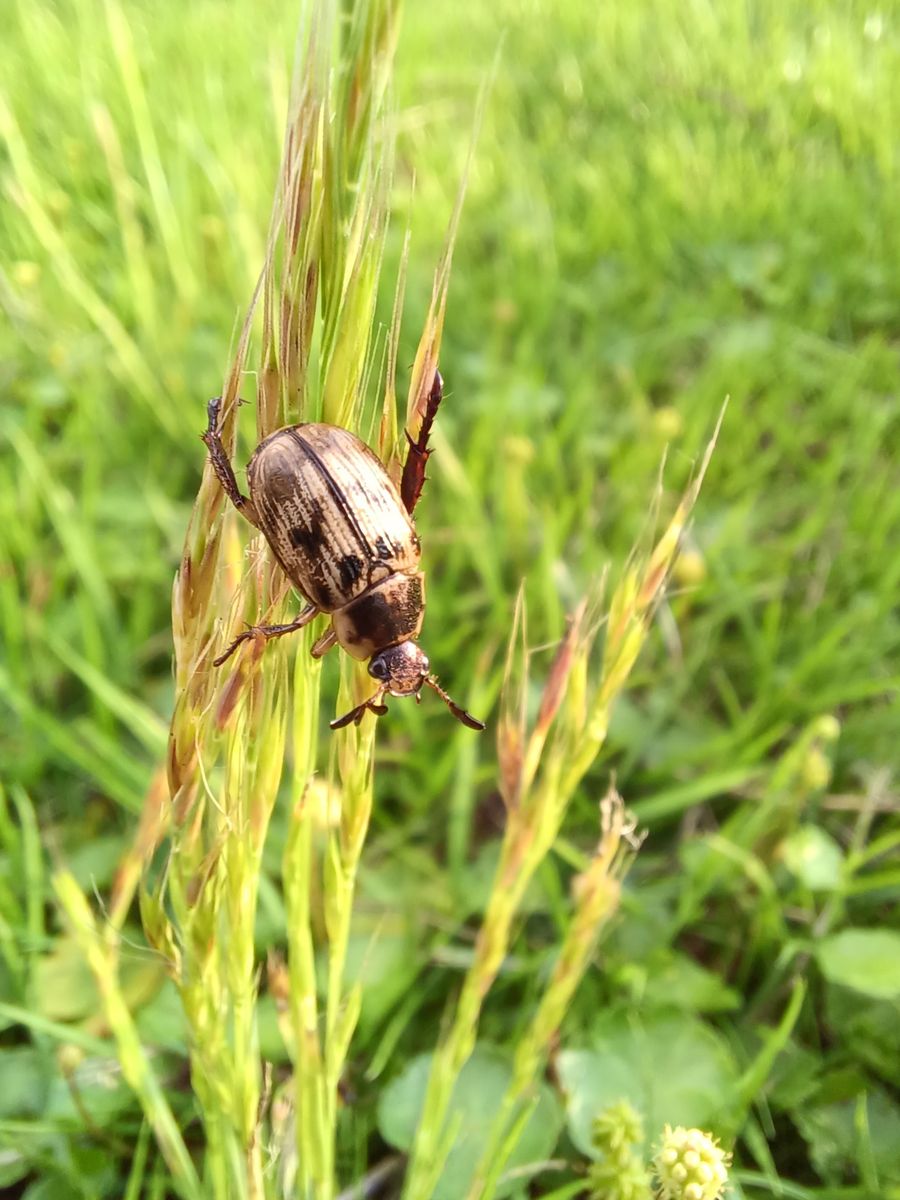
(667, 204)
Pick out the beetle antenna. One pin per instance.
(460, 713)
(355, 715)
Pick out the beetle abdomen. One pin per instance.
(330, 512)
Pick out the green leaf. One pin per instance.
(14, 1164)
(68, 991)
(676, 981)
(670, 1068)
(794, 1078)
(95, 862)
(271, 1043)
(24, 1077)
(52, 1189)
(64, 983)
(385, 965)
(161, 1023)
(95, 1086)
(814, 858)
(867, 960)
(837, 1138)
(476, 1099)
(871, 1031)
(645, 929)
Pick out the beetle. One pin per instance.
(343, 534)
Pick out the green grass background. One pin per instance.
(668, 204)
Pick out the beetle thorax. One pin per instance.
(402, 669)
(387, 614)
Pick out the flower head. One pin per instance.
(690, 1165)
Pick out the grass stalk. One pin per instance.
(595, 895)
(100, 949)
(230, 732)
(539, 773)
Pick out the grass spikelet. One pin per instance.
(101, 951)
(540, 768)
(595, 898)
(317, 290)
(233, 729)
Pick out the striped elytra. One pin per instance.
(331, 513)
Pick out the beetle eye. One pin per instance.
(377, 669)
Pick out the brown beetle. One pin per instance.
(344, 536)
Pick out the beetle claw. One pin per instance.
(355, 715)
(224, 657)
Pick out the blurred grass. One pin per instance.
(668, 204)
(660, 214)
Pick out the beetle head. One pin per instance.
(400, 669)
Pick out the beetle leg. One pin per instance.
(355, 715)
(222, 465)
(413, 478)
(268, 631)
(324, 643)
(460, 713)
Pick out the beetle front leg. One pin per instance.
(413, 478)
(222, 465)
(355, 715)
(268, 631)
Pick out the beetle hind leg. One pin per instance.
(413, 478)
(221, 463)
(268, 632)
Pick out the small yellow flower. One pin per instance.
(619, 1174)
(690, 568)
(518, 449)
(690, 1165)
(815, 771)
(668, 422)
(828, 728)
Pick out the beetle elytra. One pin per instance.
(344, 536)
